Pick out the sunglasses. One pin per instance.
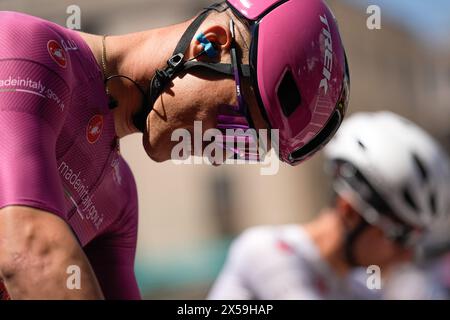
(243, 142)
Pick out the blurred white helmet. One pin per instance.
(392, 169)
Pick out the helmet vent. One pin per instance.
(289, 94)
(421, 168)
(409, 199)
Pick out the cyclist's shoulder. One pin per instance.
(262, 249)
(29, 39)
(256, 233)
(261, 240)
(22, 30)
(20, 25)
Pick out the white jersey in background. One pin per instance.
(281, 262)
(410, 282)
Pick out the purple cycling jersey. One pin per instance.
(58, 147)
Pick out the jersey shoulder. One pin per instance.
(263, 242)
(254, 238)
(268, 261)
(39, 67)
(26, 38)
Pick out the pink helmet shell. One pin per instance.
(252, 9)
(300, 71)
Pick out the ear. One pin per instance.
(350, 217)
(219, 36)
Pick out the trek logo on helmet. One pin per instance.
(328, 59)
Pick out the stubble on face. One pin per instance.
(189, 99)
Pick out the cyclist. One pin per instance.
(68, 201)
(391, 182)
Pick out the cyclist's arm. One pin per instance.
(36, 251)
(36, 86)
(36, 245)
(112, 256)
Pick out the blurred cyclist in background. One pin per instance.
(391, 182)
(68, 200)
(428, 278)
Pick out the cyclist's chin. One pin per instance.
(155, 153)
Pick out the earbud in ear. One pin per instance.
(208, 47)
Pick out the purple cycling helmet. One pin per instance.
(299, 71)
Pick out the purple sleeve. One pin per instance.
(34, 98)
(114, 268)
(28, 172)
(112, 255)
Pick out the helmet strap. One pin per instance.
(177, 65)
(350, 239)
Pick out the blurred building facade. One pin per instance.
(188, 213)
